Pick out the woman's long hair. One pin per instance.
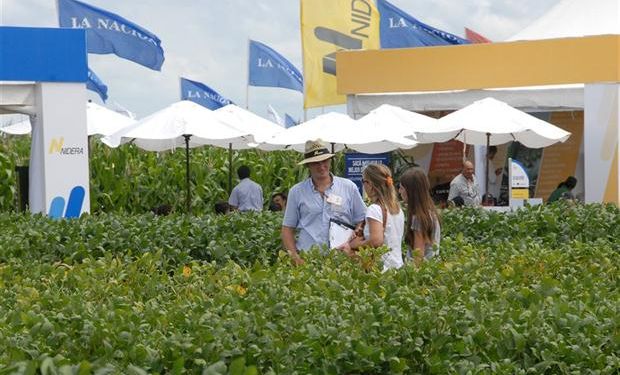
(419, 204)
(384, 193)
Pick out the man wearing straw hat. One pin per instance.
(313, 202)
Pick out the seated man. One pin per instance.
(465, 186)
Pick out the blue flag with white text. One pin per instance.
(202, 94)
(270, 69)
(97, 85)
(400, 30)
(110, 33)
(289, 122)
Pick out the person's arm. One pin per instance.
(260, 197)
(375, 235)
(418, 248)
(288, 241)
(233, 200)
(454, 191)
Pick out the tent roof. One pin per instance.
(574, 18)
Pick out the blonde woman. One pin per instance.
(384, 218)
(423, 231)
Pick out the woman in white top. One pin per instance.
(384, 218)
(423, 229)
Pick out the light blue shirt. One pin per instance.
(309, 212)
(247, 196)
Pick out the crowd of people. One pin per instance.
(323, 197)
(314, 203)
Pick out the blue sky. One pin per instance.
(206, 40)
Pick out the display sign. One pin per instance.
(356, 162)
(519, 181)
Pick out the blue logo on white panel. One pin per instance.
(73, 207)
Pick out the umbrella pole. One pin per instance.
(230, 168)
(332, 161)
(486, 176)
(188, 199)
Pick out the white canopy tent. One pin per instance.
(574, 18)
(568, 18)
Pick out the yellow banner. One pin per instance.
(328, 26)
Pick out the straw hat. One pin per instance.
(315, 151)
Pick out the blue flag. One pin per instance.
(289, 122)
(110, 33)
(202, 94)
(270, 69)
(400, 30)
(97, 85)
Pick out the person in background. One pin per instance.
(314, 201)
(384, 218)
(564, 190)
(221, 208)
(247, 195)
(278, 202)
(494, 176)
(465, 185)
(423, 230)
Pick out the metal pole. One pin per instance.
(486, 176)
(230, 167)
(333, 166)
(188, 199)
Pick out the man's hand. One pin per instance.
(297, 261)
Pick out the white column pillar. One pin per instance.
(59, 156)
(601, 140)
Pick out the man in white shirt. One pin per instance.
(465, 185)
(247, 195)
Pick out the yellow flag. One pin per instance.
(328, 26)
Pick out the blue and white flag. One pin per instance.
(97, 85)
(289, 122)
(400, 30)
(202, 94)
(270, 69)
(110, 33)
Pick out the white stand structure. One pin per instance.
(51, 68)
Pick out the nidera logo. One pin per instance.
(74, 204)
(57, 145)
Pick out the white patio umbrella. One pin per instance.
(19, 128)
(182, 124)
(99, 121)
(247, 122)
(492, 122)
(341, 132)
(103, 121)
(393, 121)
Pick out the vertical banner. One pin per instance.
(560, 160)
(328, 26)
(355, 163)
(601, 126)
